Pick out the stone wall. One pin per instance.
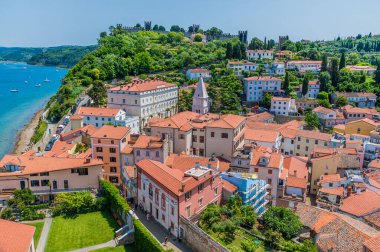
(197, 239)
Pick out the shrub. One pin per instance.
(73, 203)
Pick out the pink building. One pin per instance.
(168, 193)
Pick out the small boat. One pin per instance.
(14, 90)
(26, 82)
(46, 80)
(38, 85)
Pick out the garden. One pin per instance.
(238, 228)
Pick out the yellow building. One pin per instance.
(362, 127)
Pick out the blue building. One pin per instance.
(251, 189)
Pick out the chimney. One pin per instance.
(349, 190)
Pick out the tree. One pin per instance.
(324, 80)
(236, 52)
(377, 73)
(334, 71)
(229, 52)
(305, 85)
(176, 28)
(267, 100)
(98, 93)
(324, 103)
(341, 101)
(342, 62)
(324, 64)
(256, 44)
(161, 28)
(198, 38)
(286, 83)
(143, 63)
(312, 120)
(103, 34)
(323, 95)
(155, 27)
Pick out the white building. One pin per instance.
(259, 54)
(313, 89)
(256, 86)
(304, 65)
(283, 106)
(102, 116)
(145, 99)
(194, 74)
(200, 98)
(367, 69)
(277, 68)
(238, 67)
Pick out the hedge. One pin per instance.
(144, 241)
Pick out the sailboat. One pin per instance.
(14, 90)
(26, 82)
(46, 80)
(38, 85)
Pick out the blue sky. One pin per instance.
(79, 22)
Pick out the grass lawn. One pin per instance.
(37, 233)
(81, 231)
(116, 249)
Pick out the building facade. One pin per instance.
(259, 54)
(256, 86)
(283, 106)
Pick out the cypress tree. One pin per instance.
(324, 63)
(236, 52)
(342, 62)
(334, 71)
(305, 85)
(285, 85)
(229, 53)
(377, 73)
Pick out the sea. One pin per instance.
(18, 108)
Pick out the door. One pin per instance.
(22, 184)
(55, 186)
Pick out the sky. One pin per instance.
(41, 23)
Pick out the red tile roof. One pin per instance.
(296, 166)
(262, 78)
(330, 178)
(366, 120)
(374, 219)
(92, 111)
(198, 70)
(374, 164)
(111, 132)
(148, 142)
(36, 164)
(261, 135)
(261, 117)
(15, 237)
(185, 162)
(228, 121)
(369, 202)
(228, 186)
(143, 86)
(296, 182)
(323, 110)
(373, 244)
(335, 191)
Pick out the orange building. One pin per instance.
(107, 144)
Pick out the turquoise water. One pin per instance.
(17, 108)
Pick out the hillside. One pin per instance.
(63, 56)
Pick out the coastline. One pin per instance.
(26, 133)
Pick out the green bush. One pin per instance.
(144, 241)
(39, 131)
(75, 203)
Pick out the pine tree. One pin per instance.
(286, 83)
(334, 71)
(342, 62)
(324, 63)
(305, 85)
(229, 53)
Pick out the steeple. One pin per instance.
(200, 98)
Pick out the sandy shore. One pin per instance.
(24, 136)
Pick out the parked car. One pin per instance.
(48, 147)
(66, 121)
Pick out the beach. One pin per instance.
(24, 136)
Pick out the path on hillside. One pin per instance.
(44, 234)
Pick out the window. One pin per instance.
(163, 217)
(150, 190)
(307, 148)
(269, 181)
(200, 187)
(188, 211)
(269, 171)
(112, 150)
(99, 141)
(201, 139)
(114, 179)
(194, 138)
(144, 187)
(144, 199)
(112, 141)
(188, 195)
(181, 136)
(316, 141)
(163, 201)
(66, 184)
(216, 191)
(325, 144)
(34, 175)
(113, 159)
(224, 135)
(157, 154)
(330, 184)
(99, 157)
(212, 134)
(156, 194)
(201, 152)
(138, 153)
(200, 201)
(34, 183)
(256, 169)
(147, 153)
(299, 139)
(45, 182)
(298, 147)
(113, 169)
(99, 149)
(307, 140)
(172, 210)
